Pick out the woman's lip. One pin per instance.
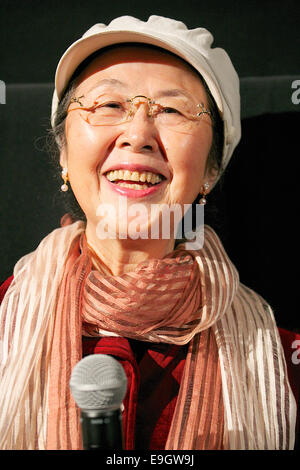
(134, 193)
(136, 167)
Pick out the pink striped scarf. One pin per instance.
(234, 392)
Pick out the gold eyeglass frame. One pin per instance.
(149, 101)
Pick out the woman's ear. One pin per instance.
(210, 177)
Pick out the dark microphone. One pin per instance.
(98, 384)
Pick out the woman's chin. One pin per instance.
(122, 228)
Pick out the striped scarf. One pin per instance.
(234, 392)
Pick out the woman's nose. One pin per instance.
(140, 133)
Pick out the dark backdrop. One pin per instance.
(257, 201)
(261, 36)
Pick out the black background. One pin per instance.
(261, 36)
(258, 201)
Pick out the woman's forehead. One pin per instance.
(122, 60)
(141, 53)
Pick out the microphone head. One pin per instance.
(98, 382)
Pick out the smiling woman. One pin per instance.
(144, 115)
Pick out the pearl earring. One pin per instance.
(204, 190)
(64, 175)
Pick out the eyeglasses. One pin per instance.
(175, 113)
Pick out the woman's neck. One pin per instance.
(116, 257)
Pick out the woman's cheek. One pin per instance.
(188, 169)
(85, 143)
(188, 164)
(191, 150)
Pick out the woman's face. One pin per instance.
(140, 144)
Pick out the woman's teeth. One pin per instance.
(122, 178)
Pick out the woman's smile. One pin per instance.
(134, 188)
(134, 180)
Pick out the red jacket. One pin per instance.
(154, 373)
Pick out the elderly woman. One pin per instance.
(148, 113)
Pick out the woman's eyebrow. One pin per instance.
(173, 92)
(108, 81)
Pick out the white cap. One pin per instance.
(194, 46)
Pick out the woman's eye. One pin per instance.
(109, 105)
(112, 105)
(170, 110)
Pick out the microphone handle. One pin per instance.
(101, 430)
